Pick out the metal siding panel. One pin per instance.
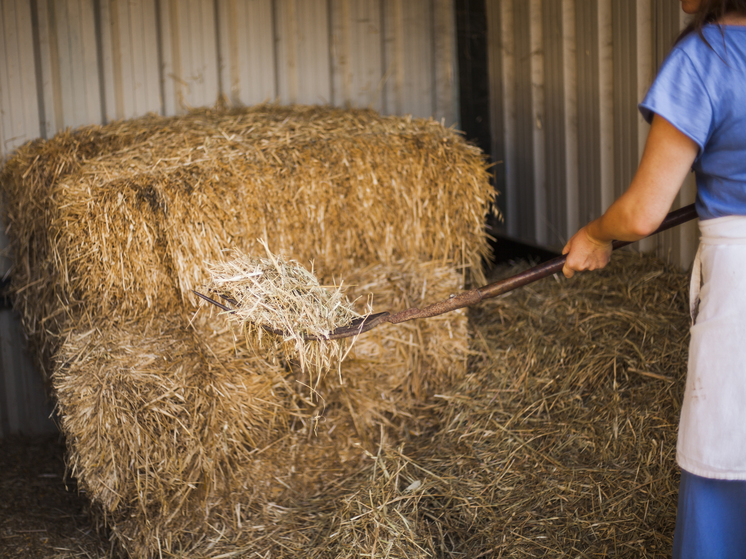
(624, 31)
(418, 59)
(139, 66)
(341, 53)
(171, 65)
(201, 61)
(524, 123)
(645, 69)
(286, 33)
(4, 398)
(150, 62)
(108, 31)
(190, 56)
(24, 408)
(247, 54)
(445, 106)
(11, 377)
(6, 126)
(210, 77)
(537, 110)
(57, 66)
(77, 76)
(259, 74)
(409, 57)
(18, 94)
(28, 76)
(665, 29)
(588, 88)
(570, 140)
(87, 29)
(510, 112)
(606, 104)
(190, 37)
(393, 53)
(38, 406)
(554, 122)
(122, 72)
(495, 55)
(314, 72)
(356, 48)
(227, 36)
(366, 46)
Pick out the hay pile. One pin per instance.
(188, 440)
(558, 442)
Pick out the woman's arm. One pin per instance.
(666, 160)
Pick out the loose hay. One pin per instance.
(281, 300)
(557, 441)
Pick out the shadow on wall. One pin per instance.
(506, 249)
(24, 406)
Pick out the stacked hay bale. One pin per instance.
(186, 438)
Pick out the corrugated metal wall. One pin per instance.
(66, 63)
(566, 77)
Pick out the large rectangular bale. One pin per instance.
(120, 218)
(178, 431)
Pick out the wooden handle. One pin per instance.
(474, 296)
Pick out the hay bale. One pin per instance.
(126, 229)
(183, 435)
(175, 426)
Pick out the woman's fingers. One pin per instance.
(584, 253)
(567, 271)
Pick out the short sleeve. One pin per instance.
(678, 94)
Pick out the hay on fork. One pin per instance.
(280, 305)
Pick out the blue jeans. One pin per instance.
(711, 519)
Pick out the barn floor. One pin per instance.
(42, 516)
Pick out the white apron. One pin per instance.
(712, 429)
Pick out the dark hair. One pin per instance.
(711, 11)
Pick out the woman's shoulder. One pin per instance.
(714, 41)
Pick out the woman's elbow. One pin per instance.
(641, 225)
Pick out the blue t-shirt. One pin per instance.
(702, 92)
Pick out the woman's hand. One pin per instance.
(584, 252)
(667, 159)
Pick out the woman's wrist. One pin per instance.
(594, 236)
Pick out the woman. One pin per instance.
(697, 111)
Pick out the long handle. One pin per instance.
(474, 296)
